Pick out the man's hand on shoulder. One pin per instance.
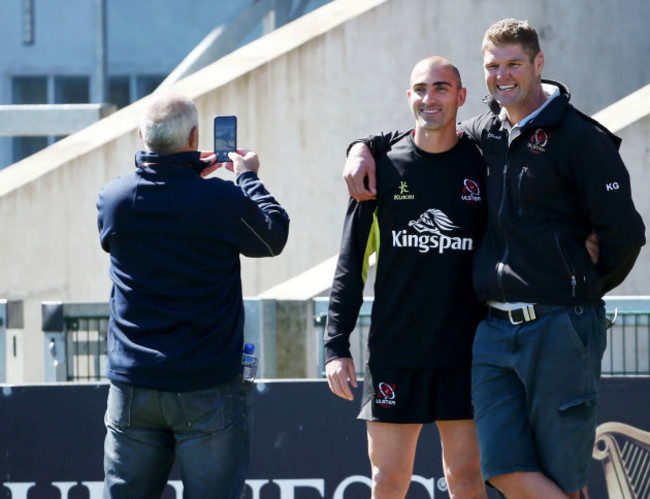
(359, 168)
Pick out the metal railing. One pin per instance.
(358, 338)
(628, 339)
(86, 347)
(75, 337)
(75, 341)
(75, 345)
(11, 317)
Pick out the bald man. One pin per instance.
(425, 223)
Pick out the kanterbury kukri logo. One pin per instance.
(404, 193)
(428, 232)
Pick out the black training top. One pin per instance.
(426, 223)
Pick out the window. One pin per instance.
(118, 91)
(122, 90)
(71, 90)
(147, 84)
(28, 90)
(125, 89)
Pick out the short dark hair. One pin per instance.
(512, 30)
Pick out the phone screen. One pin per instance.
(225, 136)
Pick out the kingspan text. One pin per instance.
(426, 242)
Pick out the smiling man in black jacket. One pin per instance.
(175, 334)
(554, 177)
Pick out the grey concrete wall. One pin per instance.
(301, 94)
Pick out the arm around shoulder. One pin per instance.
(359, 170)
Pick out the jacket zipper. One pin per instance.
(520, 178)
(506, 251)
(501, 265)
(567, 264)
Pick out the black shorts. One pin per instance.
(395, 395)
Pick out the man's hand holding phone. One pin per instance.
(244, 161)
(239, 161)
(225, 149)
(225, 142)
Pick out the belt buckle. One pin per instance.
(512, 320)
(528, 312)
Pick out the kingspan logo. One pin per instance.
(429, 234)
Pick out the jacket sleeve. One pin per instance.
(382, 142)
(475, 126)
(605, 193)
(103, 236)
(265, 224)
(358, 243)
(107, 200)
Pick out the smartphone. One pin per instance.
(225, 137)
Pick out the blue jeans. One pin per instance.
(208, 431)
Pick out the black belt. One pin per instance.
(518, 316)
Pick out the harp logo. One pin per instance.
(624, 452)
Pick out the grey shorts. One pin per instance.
(395, 395)
(535, 392)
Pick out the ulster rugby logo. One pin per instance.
(538, 141)
(385, 394)
(471, 191)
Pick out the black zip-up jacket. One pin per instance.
(558, 180)
(561, 177)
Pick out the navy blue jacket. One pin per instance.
(174, 240)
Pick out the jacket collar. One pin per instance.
(181, 160)
(550, 114)
(553, 111)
